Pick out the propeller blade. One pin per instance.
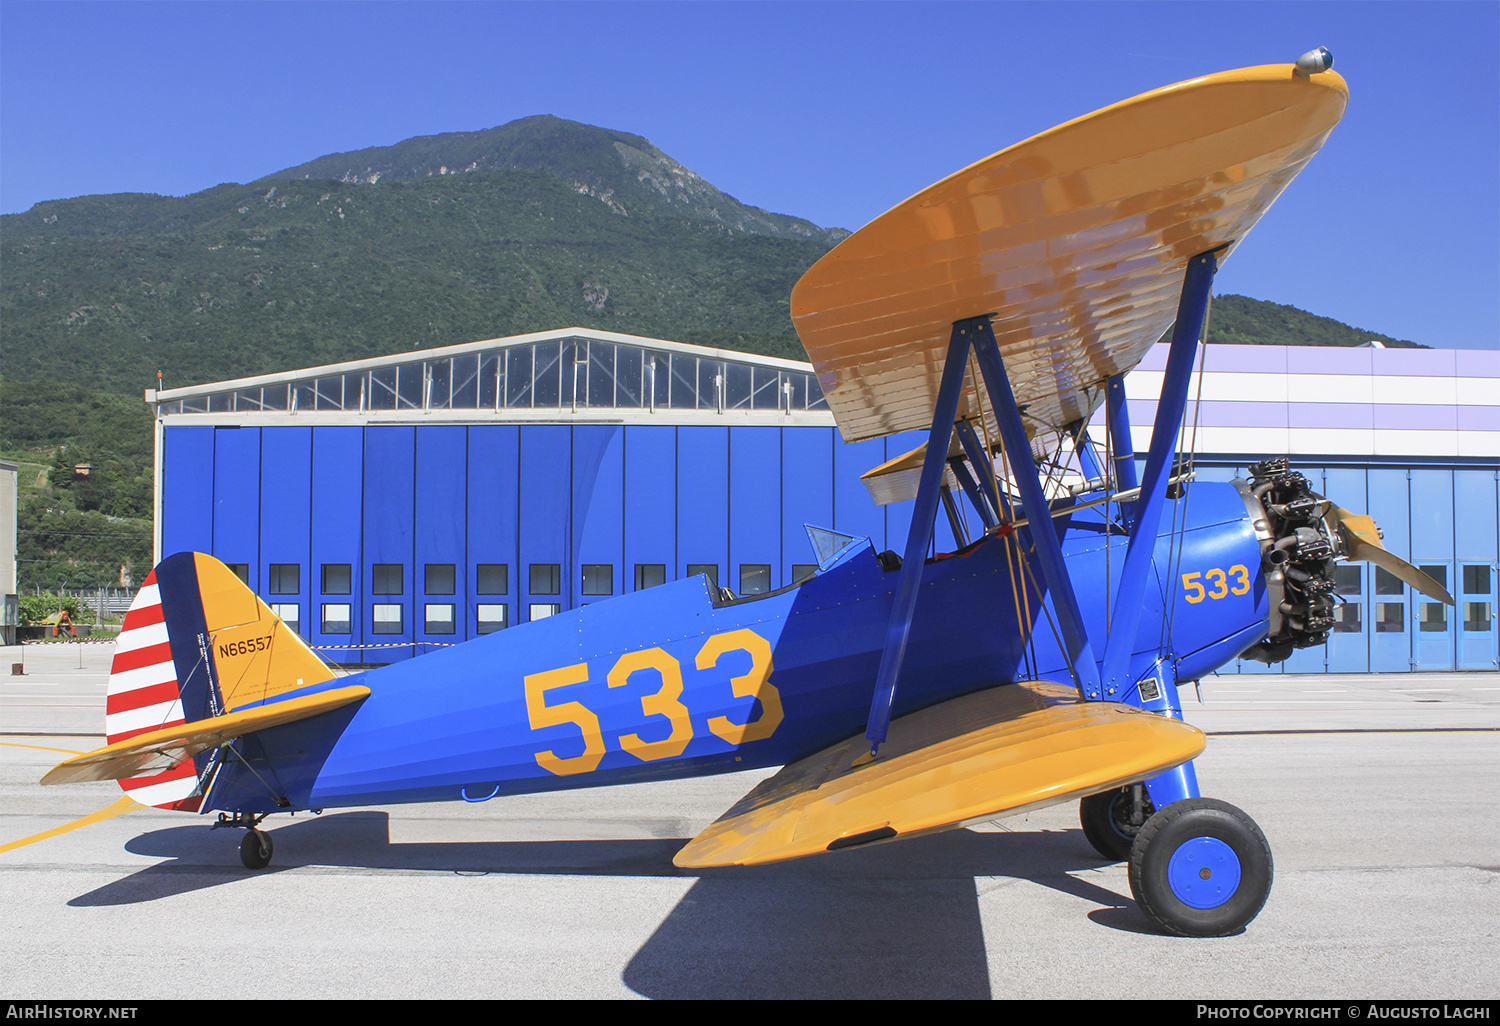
(1362, 542)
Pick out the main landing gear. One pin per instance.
(1198, 868)
(1112, 819)
(257, 847)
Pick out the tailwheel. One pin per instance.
(1200, 868)
(255, 849)
(1112, 819)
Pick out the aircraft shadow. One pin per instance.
(891, 920)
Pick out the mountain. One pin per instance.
(104, 291)
(624, 172)
(1240, 320)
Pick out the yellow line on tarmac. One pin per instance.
(124, 805)
(40, 748)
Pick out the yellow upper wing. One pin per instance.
(1076, 240)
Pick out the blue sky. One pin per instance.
(830, 111)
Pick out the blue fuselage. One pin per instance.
(668, 682)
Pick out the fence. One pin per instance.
(101, 603)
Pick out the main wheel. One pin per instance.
(1107, 821)
(255, 849)
(1200, 868)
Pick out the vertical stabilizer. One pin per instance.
(196, 643)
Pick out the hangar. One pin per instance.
(392, 505)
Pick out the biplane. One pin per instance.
(902, 694)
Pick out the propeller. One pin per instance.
(1361, 540)
(1303, 537)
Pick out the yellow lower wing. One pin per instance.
(998, 752)
(162, 749)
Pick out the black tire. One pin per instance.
(255, 849)
(1200, 868)
(1106, 822)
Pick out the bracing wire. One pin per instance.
(1174, 562)
(989, 474)
(1111, 486)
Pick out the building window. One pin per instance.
(755, 578)
(649, 575)
(386, 579)
(290, 614)
(1476, 579)
(438, 618)
(709, 570)
(387, 618)
(1386, 583)
(1434, 617)
(1347, 579)
(546, 578)
(337, 579)
(240, 570)
(598, 579)
(1390, 617)
(1477, 616)
(492, 579)
(542, 610)
(1346, 618)
(490, 618)
(441, 578)
(286, 579)
(802, 571)
(335, 618)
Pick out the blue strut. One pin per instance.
(1157, 689)
(1147, 509)
(1041, 528)
(904, 606)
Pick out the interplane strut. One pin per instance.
(1096, 677)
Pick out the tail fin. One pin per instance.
(197, 643)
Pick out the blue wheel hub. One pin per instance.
(1203, 872)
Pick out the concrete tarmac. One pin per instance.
(1380, 795)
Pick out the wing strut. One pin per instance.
(1145, 517)
(1119, 435)
(1041, 528)
(923, 515)
(1094, 678)
(979, 499)
(988, 486)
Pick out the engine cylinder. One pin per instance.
(1298, 550)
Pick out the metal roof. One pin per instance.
(535, 376)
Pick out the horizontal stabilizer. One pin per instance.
(998, 752)
(162, 749)
(1362, 542)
